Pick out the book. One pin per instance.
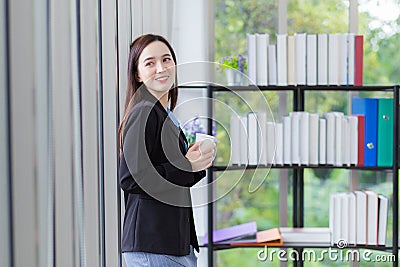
(235, 139)
(361, 217)
(383, 207)
(262, 138)
(361, 139)
(279, 143)
(369, 108)
(252, 142)
(345, 141)
(313, 139)
(338, 138)
(301, 57)
(252, 58)
(343, 58)
(271, 145)
(231, 232)
(385, 132)
(272, 65)
(359, 58)
(295, 137)
(291, 60)
(262, 41)
(352, 224)
(311, 59)
(353, 146)
(372, 217)
(309, 235)
(333, 59)
(281, 59)
(330, 137)
(244, 159)
(304, 138)
(351, 58)
(271, 237)
(287, 140)
(322, 141)
(322, 59)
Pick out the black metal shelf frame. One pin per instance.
(298, 171)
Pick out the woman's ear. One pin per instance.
(138, 77)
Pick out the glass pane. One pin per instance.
(235, 18)
(379, 22)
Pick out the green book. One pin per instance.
(385, 132)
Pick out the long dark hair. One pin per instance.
(133, 94)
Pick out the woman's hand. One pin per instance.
(200, 160)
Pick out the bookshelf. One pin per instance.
(298, 170)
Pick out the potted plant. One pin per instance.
(234, 67)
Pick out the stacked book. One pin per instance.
(358, 218)
(301, 138)
(246, 235)
(305, 59)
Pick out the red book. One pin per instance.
(358, 63)
(361, 139)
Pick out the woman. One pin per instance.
(157, 167)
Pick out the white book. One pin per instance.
(352, 234)
(301, 57)
(383, 215)
(332, 217)
(322, 141)
(252, 58)
(262, 41)
(344, 224)
(313, 139)
(244, 159)
(361, 217)
(333, 59)
(322, 59)
(353, 128)
(330, 138)
(295, 137)
(272, 65)
(311, 59)
(281, 56)
(351, 58)
(287, 140)
(235, 139)
(337, 218)
(252, 143)
(271, 143)
(262, 137)
(345, 141)
(309, 235)
(304, 138)
(372, 217)
(279, 143)
(291, 60)
(338, 138)
(343, 58)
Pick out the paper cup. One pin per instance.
(208, 140)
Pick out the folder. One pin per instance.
(361, 217)
(369, 108)
(385, 132)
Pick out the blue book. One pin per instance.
(369, 108)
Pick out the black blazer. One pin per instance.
(156, 178)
